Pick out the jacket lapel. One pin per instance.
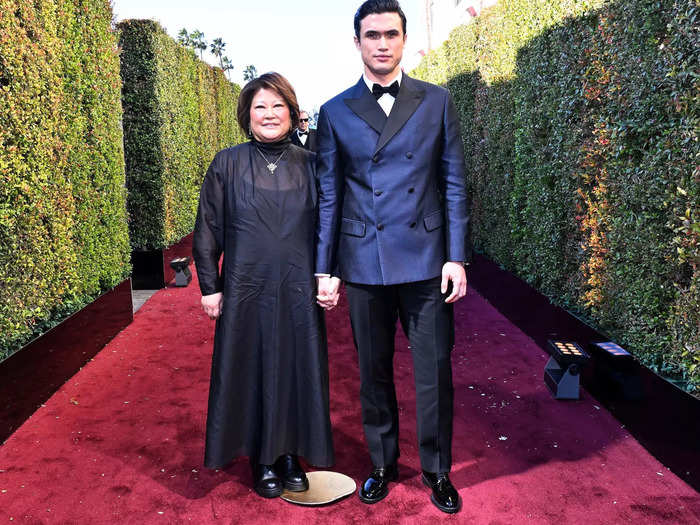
(407, 101)
(365, 106)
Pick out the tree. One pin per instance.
(250, 72)
(183, 37)
(217, 49)
(226, 65)
(198, 41)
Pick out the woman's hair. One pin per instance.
(275, 82)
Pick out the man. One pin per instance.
(303, 136)
(393, 225)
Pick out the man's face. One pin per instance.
(381, 44)
(303, 121)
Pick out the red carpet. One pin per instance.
(122, 441)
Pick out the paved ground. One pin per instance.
(139, 297)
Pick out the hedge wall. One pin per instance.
(178, 112)
(63, 226)
(580, 122)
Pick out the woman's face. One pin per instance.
(269, 116)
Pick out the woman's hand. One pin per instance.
(212, 304)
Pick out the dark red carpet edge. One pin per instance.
(122, 441)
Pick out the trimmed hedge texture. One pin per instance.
(63, 224)
(178, 112)
(580, 123)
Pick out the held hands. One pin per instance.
(328, 291)
(212, 304)
(452, 271)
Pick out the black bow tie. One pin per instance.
(392, 89)
(303, 132)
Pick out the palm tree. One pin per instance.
(217, 49)
(250, 72)
(226, 65)
(183, 37)
(198, 41)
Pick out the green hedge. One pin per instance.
(580, 123)
(178, 112)
(63, 226)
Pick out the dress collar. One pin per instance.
(272, 147)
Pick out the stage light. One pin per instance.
(181, 265)
(562, 371)
(613, 349)
(616, 371)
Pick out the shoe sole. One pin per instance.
(447, 510)
(369, 501)
(269, 493)
(296, 487)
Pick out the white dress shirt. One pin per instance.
(386, 101)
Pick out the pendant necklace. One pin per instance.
(272, 166)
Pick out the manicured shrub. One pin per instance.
(580, 123)
(63, 225)
(178, 112)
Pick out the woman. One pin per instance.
(268, 396)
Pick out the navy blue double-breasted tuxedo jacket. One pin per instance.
(392, 191)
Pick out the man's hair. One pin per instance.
(274, 82)
(376, 7)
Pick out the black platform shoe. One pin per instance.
(266, 482)
(293, 476)
(444, 495)
(377, 485)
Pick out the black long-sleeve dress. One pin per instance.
(269, 378)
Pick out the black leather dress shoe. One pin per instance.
(266, 482)
(293, 476)
(377, 485)
(444, 495)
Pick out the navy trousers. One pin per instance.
(428, 323)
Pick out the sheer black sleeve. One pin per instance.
(208, 238)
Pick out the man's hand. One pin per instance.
(452, 271)
(328, 291)
(212, 304)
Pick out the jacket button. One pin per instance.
(375, 159)
(410, 190)
(413, 225)
(380, 226)
(409, 155)
(378, 192)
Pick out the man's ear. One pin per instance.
(357, 42)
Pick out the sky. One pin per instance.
(308, 41)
